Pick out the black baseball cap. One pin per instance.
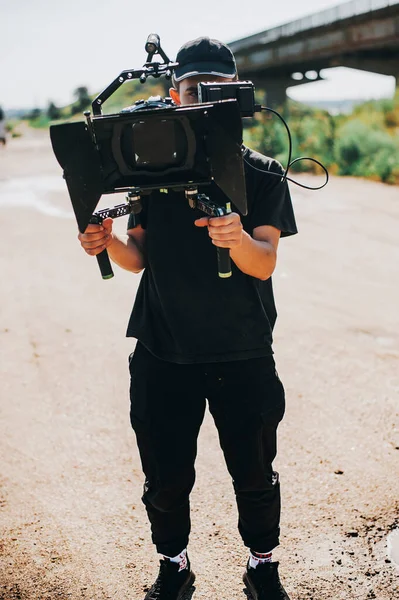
(205, 56)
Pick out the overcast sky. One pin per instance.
(48, 48)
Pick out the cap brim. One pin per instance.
(205, 68)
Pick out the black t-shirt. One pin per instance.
(184, 312)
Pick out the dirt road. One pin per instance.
(71, 520)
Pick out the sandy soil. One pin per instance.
(71, 520)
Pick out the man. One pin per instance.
(202, 337)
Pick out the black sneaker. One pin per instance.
(264, 582)
(171, 583)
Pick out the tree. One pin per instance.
(34, 114)
(82, 101)
(53, 112)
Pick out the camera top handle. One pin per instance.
(149, 69)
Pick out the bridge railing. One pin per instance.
(325, 17)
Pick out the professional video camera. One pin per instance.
(155, 144)
(152, 145)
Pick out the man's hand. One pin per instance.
(255, 255)
(97, 237)
(225, 232)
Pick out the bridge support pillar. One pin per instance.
(275, 90)
(276, 94)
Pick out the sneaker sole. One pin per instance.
(186, 586)
(250, 587)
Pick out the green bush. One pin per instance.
(39, 122)
(312, 135)
(268, 136)
(363, 151)
(363, 144)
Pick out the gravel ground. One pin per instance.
(71, 520)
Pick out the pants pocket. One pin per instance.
(274, 407)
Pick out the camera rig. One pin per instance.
(152, 145)
(155, 144)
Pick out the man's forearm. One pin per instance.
(126, 253)
(254, 257)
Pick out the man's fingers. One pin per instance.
(225, 220)
(96, 243)
(92, 237)
(107, 224)
(225, 237)
(91, 228)
(223, 230)
(202, 222)
(96, 251)
(95, 228)
(227, 223)
(99, 247)
(93, 243)
(96, 237)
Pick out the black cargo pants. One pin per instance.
(246, 399)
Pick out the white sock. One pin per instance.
(257, 558)
(180, 558)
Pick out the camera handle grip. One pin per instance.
(203, 203)
(105, 265)
(103, 259)
(224, 262)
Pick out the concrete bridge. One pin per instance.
(362, 34)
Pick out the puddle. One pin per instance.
(34, 192)
(393, 546)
